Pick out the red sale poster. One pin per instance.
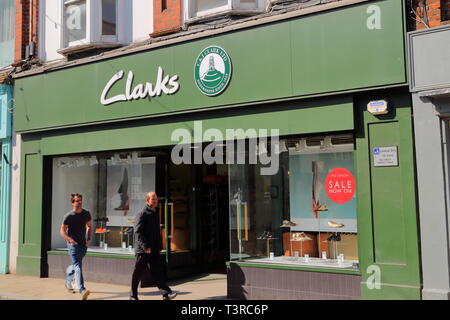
(340, 185)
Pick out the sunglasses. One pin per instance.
(77, 201)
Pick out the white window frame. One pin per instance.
(190, 13)
(64, 32)
(94, 24)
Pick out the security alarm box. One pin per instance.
(378, 107)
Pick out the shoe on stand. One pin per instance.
(333, 224)
(288, 224)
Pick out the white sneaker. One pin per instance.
(333, 224)
(85, 294)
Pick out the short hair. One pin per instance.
(147, 197)
(73, 195)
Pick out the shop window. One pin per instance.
(89, 21)
(305, 214)
(114, 187)
(202, 8)
(109, 18)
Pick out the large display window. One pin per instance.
(305, 214)
(114, 187)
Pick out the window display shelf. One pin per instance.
(313, 262)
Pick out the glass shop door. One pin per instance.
(177, 222)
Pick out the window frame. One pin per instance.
(65, 39)
(190, 12)
(93, 24)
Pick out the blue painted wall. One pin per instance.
(5, 175)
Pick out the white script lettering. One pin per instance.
(164, 84)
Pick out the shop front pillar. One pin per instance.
(5, 140)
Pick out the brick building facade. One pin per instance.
(167, 17)
(429, 13)
(26, 28)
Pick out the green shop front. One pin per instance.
(269, 145)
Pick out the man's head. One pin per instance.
(152, 199)
(76, 200)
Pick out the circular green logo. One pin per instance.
(212, 70)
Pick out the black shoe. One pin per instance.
(170, 296)
(134, 298)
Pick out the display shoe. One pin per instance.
(102, 219)
(303, 237)
(269, 235)
(330, 238)
(288, 224)
(334, 237)
(101, 230)
(322, 208)
(123, 208)
(129, 231)
(263, 235)
(333, 224)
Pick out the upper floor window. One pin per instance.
(7, 15)
(202, 8)
(90, 21)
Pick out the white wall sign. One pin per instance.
(385, 156)
(164, 84)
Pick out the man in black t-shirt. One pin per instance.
(76, 230)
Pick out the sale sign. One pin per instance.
(340, 185)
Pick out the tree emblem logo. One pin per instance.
(212, 71)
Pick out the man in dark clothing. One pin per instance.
(76, 230)
(147, 244)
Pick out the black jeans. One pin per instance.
(145, 261)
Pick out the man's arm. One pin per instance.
(139, 230)
(88, 233)
(63, 233)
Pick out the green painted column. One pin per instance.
(387, 214)
(5, 174)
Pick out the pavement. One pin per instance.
(200, 287)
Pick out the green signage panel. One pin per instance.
(351, 48)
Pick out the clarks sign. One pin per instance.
(164, 84)
(212, 73)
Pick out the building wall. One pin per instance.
(137, 18)
(7, 13)
(23, 25)
(5, 176)
(15, 196)
(167, 16)
(430, 87)
(429, 13)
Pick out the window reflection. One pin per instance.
(303, 215)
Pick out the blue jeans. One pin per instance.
(76, 254)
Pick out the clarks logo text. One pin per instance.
(164, 84)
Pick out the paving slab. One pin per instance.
(19, 287)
